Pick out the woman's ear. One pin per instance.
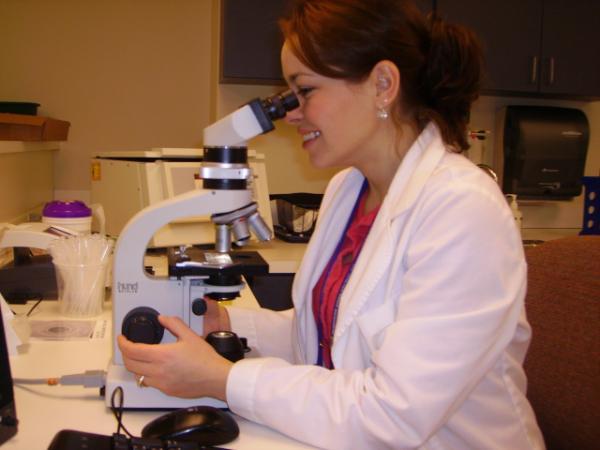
(385, 76)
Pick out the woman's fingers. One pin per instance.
(189, 367)
(177, 327)
(135, 351)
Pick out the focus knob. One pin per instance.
(141, 325)
(199, 306)
(228, 344)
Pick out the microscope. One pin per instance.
(139, 297)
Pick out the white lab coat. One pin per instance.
(431, 331)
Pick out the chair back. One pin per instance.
(563, 362)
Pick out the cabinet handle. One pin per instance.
(551, 70)
(534, 69)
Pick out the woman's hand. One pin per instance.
(216, 317)
(187, 368)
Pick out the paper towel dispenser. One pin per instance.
(541, 151)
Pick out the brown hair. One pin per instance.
(440, 64)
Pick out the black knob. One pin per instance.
(199, 306)
(228, 344)
(141, 325)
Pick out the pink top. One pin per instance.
(327, 291)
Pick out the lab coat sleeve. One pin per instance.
(269, 333)
(457, 308)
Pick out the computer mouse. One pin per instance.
(205, 425)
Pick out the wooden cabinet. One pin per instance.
(570, 54)
(251, 40)
(534, 47)
(509, 50)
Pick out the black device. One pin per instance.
(80, 440)
(28, 277)
(205, 425)
(543, 151)
(8, 414)
(194, 428)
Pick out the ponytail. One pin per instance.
(450, 81)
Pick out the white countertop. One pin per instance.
(44, 410)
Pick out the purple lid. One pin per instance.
(75, 208)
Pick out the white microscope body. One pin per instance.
(139, 297)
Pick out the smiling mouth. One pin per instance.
(310, 136)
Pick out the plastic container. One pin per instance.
(80, 264)
(591, 206)
(73, 215)
(81, 288)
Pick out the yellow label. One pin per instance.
(96, 171)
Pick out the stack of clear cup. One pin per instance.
(80, 263)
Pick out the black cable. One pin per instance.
(21, 298)
(34, 306)
(118, 411)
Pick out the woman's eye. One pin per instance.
(304, 91)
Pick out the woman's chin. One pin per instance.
(318, 162)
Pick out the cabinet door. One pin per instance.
(571, 48)
(510, 31)
(251, 41)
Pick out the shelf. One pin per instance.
(23, 146)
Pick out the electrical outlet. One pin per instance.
(35, 217)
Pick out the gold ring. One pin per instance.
(140, 381)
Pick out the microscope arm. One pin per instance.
(133, 241)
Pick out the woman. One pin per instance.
(408, 328)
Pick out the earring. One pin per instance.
(382, 113)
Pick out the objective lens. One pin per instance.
(260, 228)
(240, 230)
(223, 238)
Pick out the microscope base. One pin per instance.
(135, 397)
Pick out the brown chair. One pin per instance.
(563, 363)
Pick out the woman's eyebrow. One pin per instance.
(295, 76)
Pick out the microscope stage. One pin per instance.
(247, 263)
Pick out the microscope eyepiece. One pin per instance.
(277, 105)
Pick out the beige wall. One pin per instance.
(136, 74)
(127, 74)
(26, 178)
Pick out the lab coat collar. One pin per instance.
(377, 253)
